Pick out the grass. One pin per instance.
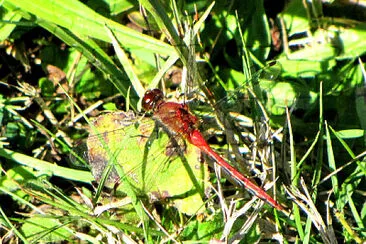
(296, 127)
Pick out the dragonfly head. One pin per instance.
(152, 99)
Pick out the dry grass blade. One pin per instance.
(305, 202)
(358, 157)
(170, 237)
(248, 223)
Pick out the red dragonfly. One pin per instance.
(177, 118)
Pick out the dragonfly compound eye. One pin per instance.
(151, 99)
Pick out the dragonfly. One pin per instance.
(177, 118)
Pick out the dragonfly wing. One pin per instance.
(149, 168)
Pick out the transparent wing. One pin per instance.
(146, 159)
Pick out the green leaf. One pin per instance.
(352, 133)
(119, 6)
(304, 68)
(279, 95)
(45, 229)
(351, 41)
(109, 106)
(47, 87)
(295, 17)
(6, 18)
(257, 34)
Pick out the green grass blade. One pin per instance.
(82, 20)
(166, 26)
(13, 228)
(126, 63)
(46, 167)
(331, 162)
